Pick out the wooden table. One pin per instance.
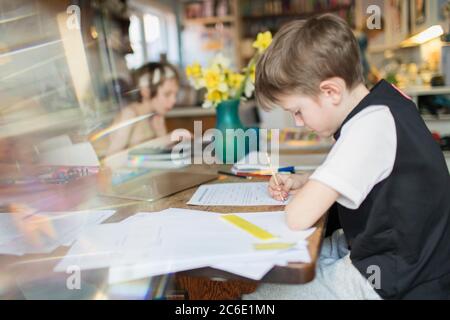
(206, 283)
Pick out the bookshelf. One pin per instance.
(246, 18)
(298, 14)
(271, 15)
(210, 20)
(219, 23)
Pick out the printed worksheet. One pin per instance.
(234, 194)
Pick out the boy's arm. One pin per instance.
(363, 156)
(309, 205)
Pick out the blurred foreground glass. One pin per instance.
(60, 66)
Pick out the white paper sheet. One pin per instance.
(275, 222)
(67, 226)
(234, 194)
(111, 244)
(256, 270)
(174, 240)
(80, 154)
(54, 143)
(7, 230)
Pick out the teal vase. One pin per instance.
(232, 142)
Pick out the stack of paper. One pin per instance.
(174, 240)
(256, 162)
(66, 225)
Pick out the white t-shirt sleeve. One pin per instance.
(363, 156)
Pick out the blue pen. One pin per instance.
(287, 169)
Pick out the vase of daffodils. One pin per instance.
(225, 89)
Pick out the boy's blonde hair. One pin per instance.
(303, 54)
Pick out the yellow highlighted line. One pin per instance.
(249, 227)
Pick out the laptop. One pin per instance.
(156, 185)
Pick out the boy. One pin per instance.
(386, 172)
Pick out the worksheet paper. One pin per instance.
(66, 225)
(149, 244)
(234, 194)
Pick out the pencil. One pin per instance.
(231, 174)
(274, 175)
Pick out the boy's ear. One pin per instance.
(333, 89)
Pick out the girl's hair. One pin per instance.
(152, 75)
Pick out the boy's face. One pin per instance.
(316, 114)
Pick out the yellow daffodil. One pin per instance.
(227, 72)
(214, 97)
(213, 78)
(221, 82)
(194, 71)
(263, 41)
(235, 80)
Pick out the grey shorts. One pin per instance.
(336, 278)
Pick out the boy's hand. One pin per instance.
(289, 184)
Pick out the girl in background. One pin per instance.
(158, 88)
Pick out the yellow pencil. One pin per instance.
(274, 175)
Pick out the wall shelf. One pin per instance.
(426, 91)
(17, 18)
(430, 118)
(210, 20)
(191, 111)
(42, 44)
(298, 15)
